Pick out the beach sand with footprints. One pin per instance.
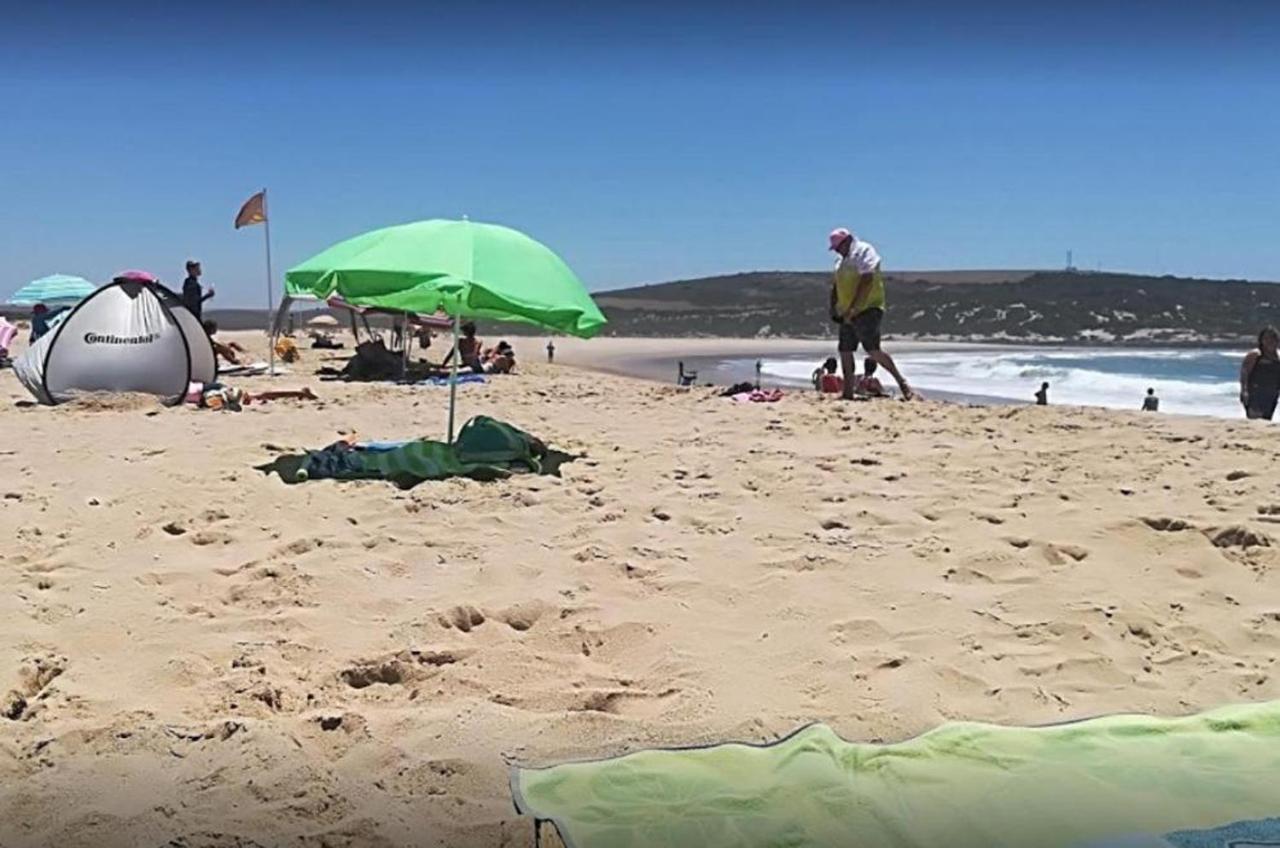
(194, 653)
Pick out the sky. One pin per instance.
(643, 142)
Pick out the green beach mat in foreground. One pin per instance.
(1113, 782)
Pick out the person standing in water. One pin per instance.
(1151, 403)
(857, 303)
(1260, 377)
(1042, 396)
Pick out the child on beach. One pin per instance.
(826, 380)
(868, 384)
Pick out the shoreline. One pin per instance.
(655, 359)
(724, 362)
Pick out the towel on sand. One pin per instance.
(444, 381)
(758, 396)
(1113, 782)
(486, 449)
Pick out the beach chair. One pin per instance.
(683, 377)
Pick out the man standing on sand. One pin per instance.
(193, 297)
(857, 303)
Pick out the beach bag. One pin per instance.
(484, 440)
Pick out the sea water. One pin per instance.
(1193, 382)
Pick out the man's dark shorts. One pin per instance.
(863, 329)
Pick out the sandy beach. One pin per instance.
(193, 653)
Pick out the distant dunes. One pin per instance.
(976, 305)
(989, 305)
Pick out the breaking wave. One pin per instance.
(1194, 382)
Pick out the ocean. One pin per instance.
(1192, 382)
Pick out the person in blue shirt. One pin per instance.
(41, 318)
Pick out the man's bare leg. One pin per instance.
(885, 361)
(849, 370)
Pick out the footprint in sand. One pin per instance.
(464, 617)
(1167, 525)
(523, 616)
(390, 673)
(1237, 536)
(35, 676)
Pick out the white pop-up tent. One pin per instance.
(131, 335)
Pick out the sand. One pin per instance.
(196, 654)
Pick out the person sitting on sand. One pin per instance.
(469, 350)
(869, 384)
(500, 360)
(227, 351)
(1151, 403)
(41, 317)
(826, 380)
(1260, 377)
(1042, 396)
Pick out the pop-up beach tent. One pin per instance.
(131, 335)
(461, 268)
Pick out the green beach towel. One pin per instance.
(1113, 782)
(486, 449)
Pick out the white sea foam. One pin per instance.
(1197, 382)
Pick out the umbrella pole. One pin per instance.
(453, 375)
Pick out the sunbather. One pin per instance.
(469, 350)
(500, 360)
(227, 351)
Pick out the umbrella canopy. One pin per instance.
(436, 319)
(54, 289)
(323, 321)
(461, 268)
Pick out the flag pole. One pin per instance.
(271, 308)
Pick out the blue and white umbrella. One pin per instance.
(56, 289)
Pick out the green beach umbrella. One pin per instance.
(56, 289)
(462, 268)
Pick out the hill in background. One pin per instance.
(1068, 307)
(1018, 306)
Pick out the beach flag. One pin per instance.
(254, 211)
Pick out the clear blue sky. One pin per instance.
(644, 142)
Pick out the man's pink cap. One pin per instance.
(838, 236)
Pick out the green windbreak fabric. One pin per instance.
(463, 268)
(486, 449)
(1114, 782)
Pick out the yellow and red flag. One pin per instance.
(254, 210)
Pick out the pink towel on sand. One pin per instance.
(759, 396)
